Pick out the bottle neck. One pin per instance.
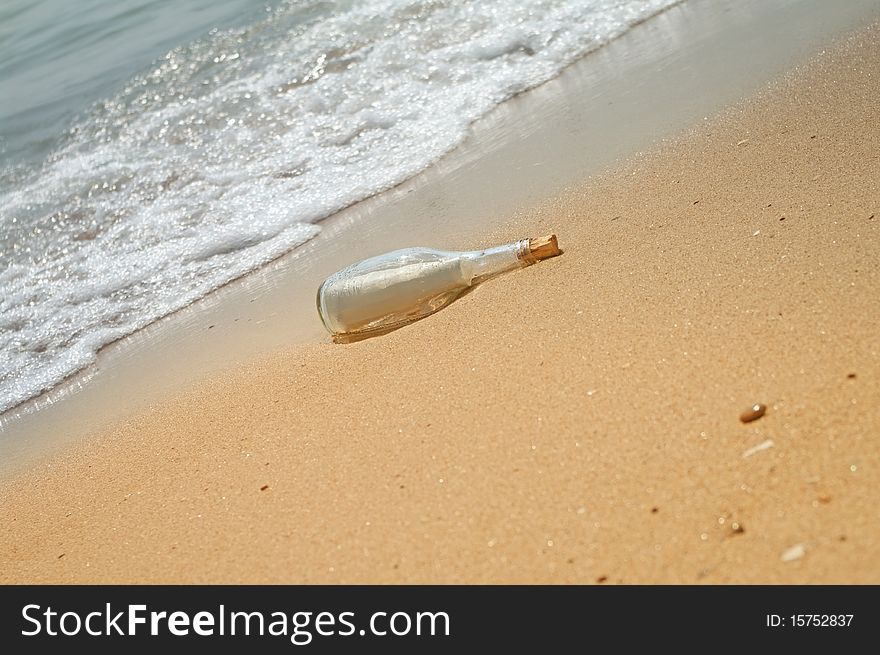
(480, 265)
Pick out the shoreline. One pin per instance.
(529, 148)
(574, 422)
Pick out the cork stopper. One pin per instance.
(543, 247)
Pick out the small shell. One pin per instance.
(753, 413)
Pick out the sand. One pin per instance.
(573, 422)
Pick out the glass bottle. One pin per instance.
(390, 290)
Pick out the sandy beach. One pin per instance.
(573, 422)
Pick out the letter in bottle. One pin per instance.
(390, 290)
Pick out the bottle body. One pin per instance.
(388, 290)
(399, 287)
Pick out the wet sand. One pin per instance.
(577, 421)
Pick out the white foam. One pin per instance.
(227, 152)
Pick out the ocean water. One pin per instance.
(152, 151)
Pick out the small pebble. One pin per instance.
(264, 487)
(753, 413)
(793, 553)
(764, 445)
